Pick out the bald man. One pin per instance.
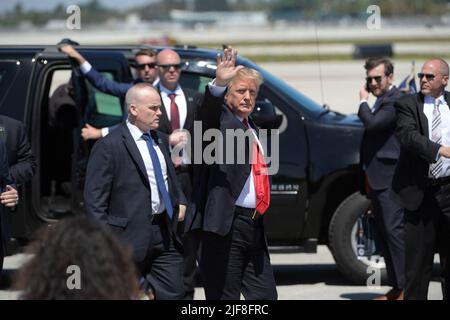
(422, 179)
(180, 106)
(131, 185)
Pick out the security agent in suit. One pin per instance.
(147, 72)
(22, 163)
(234, 256)
(9, 197)
(379, 153)
(422, 178)
(180, 106)
(142, 203)
(163, 71)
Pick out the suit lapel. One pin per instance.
(164, 123)
(131, 146)
(447, 98)
(422, 117)
(386, 97)
(189, 110)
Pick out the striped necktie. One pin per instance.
(436, 136)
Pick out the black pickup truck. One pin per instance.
(314, 194)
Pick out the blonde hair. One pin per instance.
(248, 74)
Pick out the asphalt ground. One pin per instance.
(299, 276)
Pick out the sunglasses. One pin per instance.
(428, 76)
(151, 65)
(168, 66)
(376, 78)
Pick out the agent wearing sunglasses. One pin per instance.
(379, 153)
(422, 178)
(147, 72)
(179, 107)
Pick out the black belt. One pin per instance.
(438, 182)
(248, 212)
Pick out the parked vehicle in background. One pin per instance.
(314, 194)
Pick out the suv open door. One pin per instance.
(62, 102)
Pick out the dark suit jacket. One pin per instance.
(417, 151)
(117, 190)
(22, 163)
(379, 147)
(217, 186)
(5, 178)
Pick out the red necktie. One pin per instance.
(174, 114)
(260, 177)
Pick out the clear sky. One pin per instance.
(50, 4)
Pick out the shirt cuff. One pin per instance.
(362, 101)
(85, 67)
(216, 91)
(105, 131)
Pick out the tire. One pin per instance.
(352, 229)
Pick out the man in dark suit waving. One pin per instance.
(379, 154)
(230, 199)
(131, 185)
(422, 178)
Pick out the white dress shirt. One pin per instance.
(428, 108)
(136, 133)
(180, 100)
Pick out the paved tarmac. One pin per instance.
(299, 276)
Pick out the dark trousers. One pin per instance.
(163, 264)
(237, 263)
(389, 221)
(190, 240)
(426, 230)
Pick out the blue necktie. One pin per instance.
(158, 175)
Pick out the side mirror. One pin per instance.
(265, 117)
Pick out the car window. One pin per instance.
(194, 81)
(107, 104)
(267, 96)
(8, 71)
(103, 110)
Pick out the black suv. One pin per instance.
(314, 194)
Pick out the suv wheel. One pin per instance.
(351, 237)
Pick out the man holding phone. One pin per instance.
(379, 153)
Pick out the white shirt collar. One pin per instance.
(163, 89)
(430, 99)
(136, 133)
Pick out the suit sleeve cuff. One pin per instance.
(85, 67)
(216, 91)
(105, 131)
